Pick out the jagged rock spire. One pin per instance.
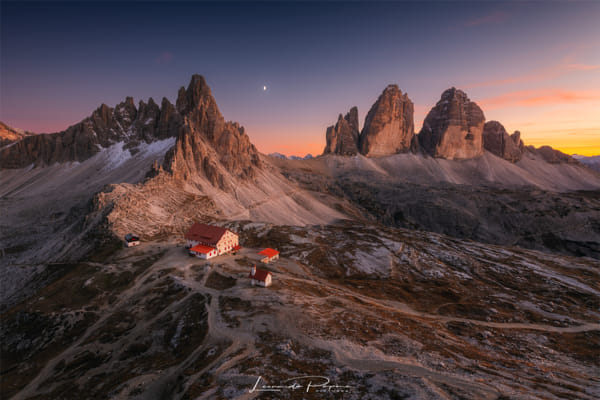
(342, 138)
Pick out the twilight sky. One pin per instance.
(533, 66)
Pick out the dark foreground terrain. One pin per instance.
(381, 313)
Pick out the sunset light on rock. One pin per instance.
(300, 200)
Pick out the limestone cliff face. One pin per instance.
(389, 125)
(342, 138)
(497, 141)
(453, 128)
(207, 143)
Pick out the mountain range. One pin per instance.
(437, 259)
(454, 129)
(591, 161)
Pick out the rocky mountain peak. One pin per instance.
(453, 128)
(497, 141)
(126, 109)
(102, 115)
(389, 125)
(197, 95)
(207, 144)
(129, 101)
(342, 138)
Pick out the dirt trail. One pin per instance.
(125, 298)
(217, 331)
(234, 345)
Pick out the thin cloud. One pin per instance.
(533, 98)
(537, 75)
(495, 17)
(164, 58)
(582, 67)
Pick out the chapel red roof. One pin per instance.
(202, 249)
(268, 252)
(205, 233)
(260, 275)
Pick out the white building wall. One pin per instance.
(228, 241)
(265, 283)
(205, 256)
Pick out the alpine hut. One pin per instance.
(208, 241)
(259, 277)
(269, 255)
(131, 239)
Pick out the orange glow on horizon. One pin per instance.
(537, 97)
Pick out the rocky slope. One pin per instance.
(453, 128)
(531, 203)
(389, 125)
(381, 313)
(342, 138)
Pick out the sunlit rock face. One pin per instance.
(389, 125)
(453, 128)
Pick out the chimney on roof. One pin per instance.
(253, 270)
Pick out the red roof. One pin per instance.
(205, 233)
(260, 275)
(268, 252)
(202, 249)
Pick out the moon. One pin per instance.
(264, 88)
